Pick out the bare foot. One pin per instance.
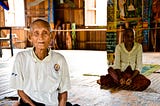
(115, 90)
(105, 87)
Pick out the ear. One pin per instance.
(29, 37)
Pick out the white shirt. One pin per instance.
(124, 58)
(39, 78)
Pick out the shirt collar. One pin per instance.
(46, 59)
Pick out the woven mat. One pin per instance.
(149, 69)
(9, 101)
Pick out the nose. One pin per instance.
(41, 36)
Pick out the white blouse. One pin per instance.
(124, 58)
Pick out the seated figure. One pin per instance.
(125, 73)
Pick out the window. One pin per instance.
(95, 12)
(15, 16)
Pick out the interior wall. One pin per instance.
(73, 12)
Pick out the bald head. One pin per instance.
(40, 23)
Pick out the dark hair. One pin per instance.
(128, 30)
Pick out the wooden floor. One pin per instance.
(85, 91)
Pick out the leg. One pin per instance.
(110, 80)
(22, 103)
(107, 82)
(140, 83)
(115, 74)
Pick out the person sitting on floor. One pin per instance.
(125, 73)
(40, 75)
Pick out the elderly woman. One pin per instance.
(125, 74)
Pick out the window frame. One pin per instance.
(15, 16)
(94, 14)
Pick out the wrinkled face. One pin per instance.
(40, 35)
(129, 37)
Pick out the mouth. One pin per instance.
(41, 43)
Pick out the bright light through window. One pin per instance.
(15, 16)
(95, 12)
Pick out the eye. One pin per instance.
(36, 33)
(46, 33)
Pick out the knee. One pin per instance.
(145, 86)
(110, 69)
(148, 82)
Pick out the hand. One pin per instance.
(122, 81)
(129, 81)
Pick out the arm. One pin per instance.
(62, 97)
(16, 80)
(64, 85)
(129, 80)
(117, 58)
(139, 58)
(136, 72)
(25, 98)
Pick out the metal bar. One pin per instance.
(53, 11)
(48, 10)
(11, 43)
